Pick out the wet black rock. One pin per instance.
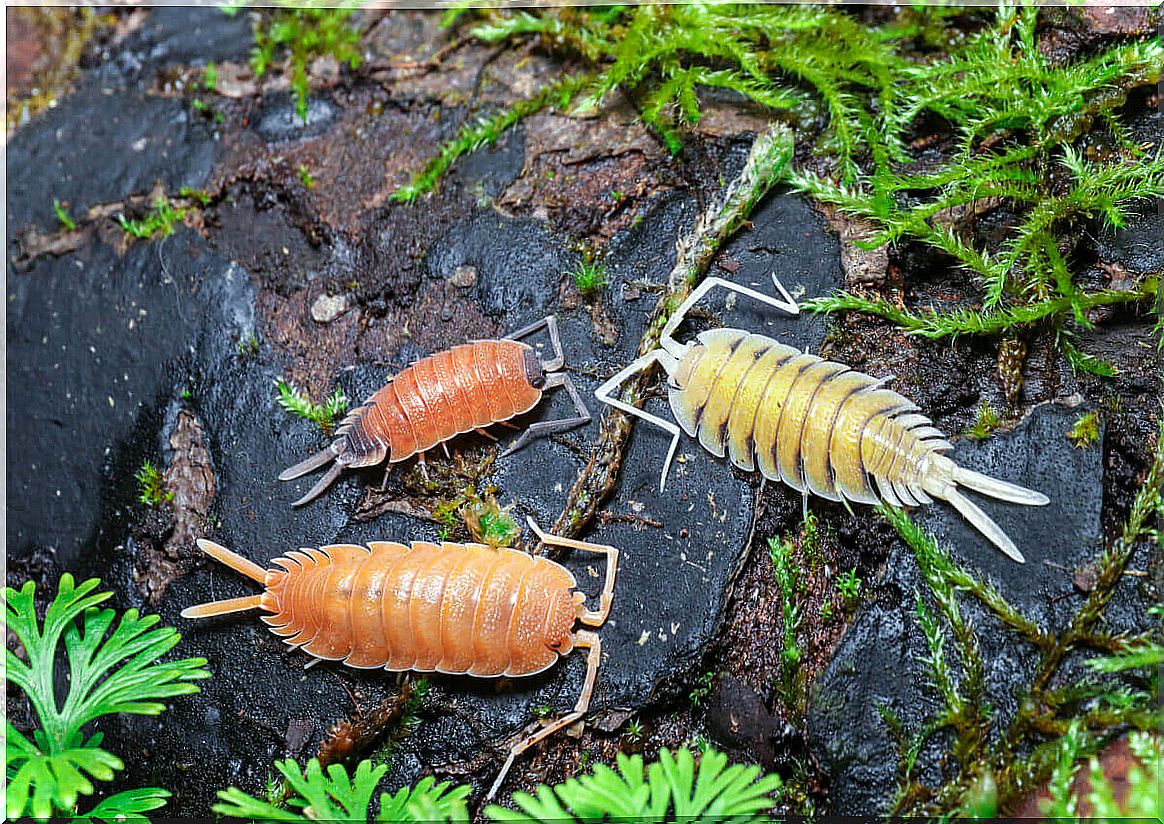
(280, 119)
(879, 663)
(738, 719)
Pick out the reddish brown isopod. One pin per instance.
(452, 608)
(444, 395)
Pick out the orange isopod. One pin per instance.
(444, 395)
(464, 609)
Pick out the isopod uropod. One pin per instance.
(444, 395)
(450, 608)
(816, 425)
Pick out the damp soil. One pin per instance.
(299, 266)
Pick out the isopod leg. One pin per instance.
(677, 349)
(550, 324)
(582, 638)
(638, 365)
(544, 428)
(597, 617)
(327, 480)
(384, 483)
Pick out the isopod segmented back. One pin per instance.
(816, 425)
(452, 608)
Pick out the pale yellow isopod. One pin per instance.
(816, 425)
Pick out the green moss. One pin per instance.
(1085, 431)
(788, 579)
(293, 400)
(151, 486)
(159, 221)
(498, 528)
(247, 346)
(485, 132)
(986, 421)
(1014, 112)
(590, 278)
(1054, 726)
(305, 177)
(703, 687)
(199, 196)
(849, 586)
(304, 33)
(634, 730)
(63, 218)
(486, 521)
(210, 77)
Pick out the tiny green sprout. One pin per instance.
(985, 423)
(702, 689)
(421, 687)
(160, 221)
(590, 278)
(791, 610)
(826, 611)
(1085, 431)
(199, 196)
(151, 486)
(248, 346)
(210, 77)
(275, 790)
(305, 177)
(62, 214)
(445, 513)
(186, 394)
(292, 399)
(700, 742)
(541, 711)
(634, 730)
(849, 585)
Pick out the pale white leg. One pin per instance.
(638, 365)
(582, 638)
(590, 618)
(669, 343)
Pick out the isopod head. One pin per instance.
(564, 610)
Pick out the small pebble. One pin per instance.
(464, 276)
(328, 307)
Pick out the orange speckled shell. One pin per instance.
(439, 397)
(453, 608)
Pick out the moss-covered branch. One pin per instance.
(766, 163)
